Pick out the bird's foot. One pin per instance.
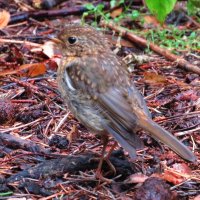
(96, 176)
(111, 166)
(112, 169)
(101, 178)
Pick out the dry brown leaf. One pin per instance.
(4, 18)
(116, 12)
(50, 49)
(9, 72)
(36, 69)
(151, 20)
(73, 134)
(172, 177)
(177, 174)
(153, 78)
(31, 70)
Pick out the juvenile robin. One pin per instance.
(95, 84)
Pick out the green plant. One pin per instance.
(96, 11)
(175, 39)
(193, 7)
(99, 11)
(160, 8)
(133, 15)
(114, 3)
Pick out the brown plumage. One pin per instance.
(94, 82)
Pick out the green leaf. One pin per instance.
(99, 7)
(193, 7)
(94, 24)
(112, 3)
(193, 35)
(89, 6)
(85, 14)
(160, 8)
(135, 14)
(121, 1)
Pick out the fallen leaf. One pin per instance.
(172, 177)
(73, 134)
(36, 69)
(50, 49)
(116, 12)
(4, 18)
(151, 20)
(32, 70)
(153, 78)
(177, 174)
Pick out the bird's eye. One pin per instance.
(72, 40)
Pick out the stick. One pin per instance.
(181, 62)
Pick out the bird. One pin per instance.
(95, 84)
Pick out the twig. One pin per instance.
(19, 42)
(187, 132)
(52, 196)
(42, 14)
(5, 130)
(164, 52)
(29, 86)
(193, 21)
(62, 121)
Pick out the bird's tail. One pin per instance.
(165, 137)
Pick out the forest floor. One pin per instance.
(45, 153)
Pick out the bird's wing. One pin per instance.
(128, 115)
(119, 124)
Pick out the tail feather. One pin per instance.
(165, 137)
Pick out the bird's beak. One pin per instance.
(55, 40)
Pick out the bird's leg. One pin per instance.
(106, 158)
(105, 142)
(111, 150)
